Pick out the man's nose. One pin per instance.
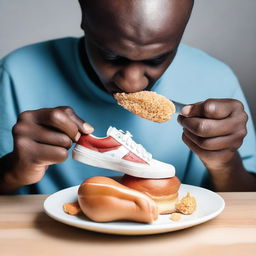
(131, 78)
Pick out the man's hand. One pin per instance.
(41, 138)
(214, 130)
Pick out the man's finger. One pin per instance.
(212, 108)
(42, 134)
(57, 119)
(65, 120)
(216, 143)
(83, 126)
(48, 154)
(206, 128)
(209, 157)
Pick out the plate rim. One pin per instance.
(136, 228)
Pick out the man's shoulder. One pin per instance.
(197, 57)
(199, 61)
(200, 75)
(34, 53)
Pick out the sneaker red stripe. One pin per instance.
(134, 158)
(98, 144)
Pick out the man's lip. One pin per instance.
(117, 91)
(113, 88)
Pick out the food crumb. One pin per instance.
(72, 208)
(187, 205)
(175, 216)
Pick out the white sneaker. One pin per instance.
(118, 151)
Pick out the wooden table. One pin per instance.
(26, 230)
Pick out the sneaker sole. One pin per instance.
(95, 159)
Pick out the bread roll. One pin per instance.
(163, 191)
(103, 199)
(147, 104)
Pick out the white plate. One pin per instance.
(209, 205)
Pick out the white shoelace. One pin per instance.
(126, 138)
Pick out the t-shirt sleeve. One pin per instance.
(8, 111)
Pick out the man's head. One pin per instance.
(130, 44)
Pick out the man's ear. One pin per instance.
(82, 8)
(83, 24)
(83, 27)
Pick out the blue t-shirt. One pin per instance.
(50, 74)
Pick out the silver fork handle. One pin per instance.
(178, 106)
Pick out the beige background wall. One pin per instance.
(224, 28)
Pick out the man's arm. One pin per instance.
(8, 183)
(233, 177)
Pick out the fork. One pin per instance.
(178, 106)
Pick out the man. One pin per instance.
(128, 46)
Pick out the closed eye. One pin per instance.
(155, 62)
(120, 60)
(159, 60)
(114, 59)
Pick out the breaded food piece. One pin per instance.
(72, 208)
(187, 205)
(175, 216)
(147, 104)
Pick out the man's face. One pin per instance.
(130, 44)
